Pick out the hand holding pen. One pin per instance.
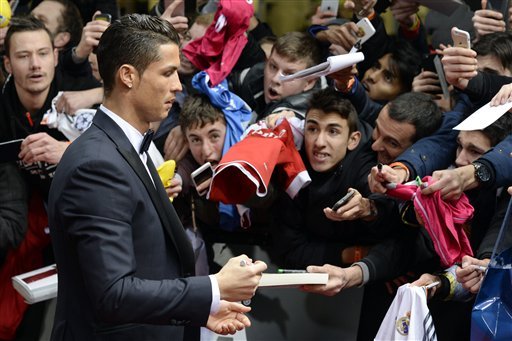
(471, 273)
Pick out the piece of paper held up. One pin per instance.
(484, 117)
(292, 279)
(333, 64)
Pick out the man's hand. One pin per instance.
(180, 23)
(459, 65)
(361, 8)
(488, 21)
(425, 280)
(71, 101)
(271, 119)
(377, 179)
(239, 278)
(452, 182)
(427, 82)
(229, 319)
(42, 147)
(322, 17)
(343, 35)
(176, 145)
(470, 275)
(356, 208)
(176, 186)
(404, 12)
(503, 96)
(91, 34)
(339, 279)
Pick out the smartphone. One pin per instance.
(500, 6)
(365, 31)
(330, 6)
(343, 200)
(442, 78)
(102, 16)
(201, 175)
(461, 38)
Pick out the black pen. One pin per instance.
(291, 271)
(379, 167)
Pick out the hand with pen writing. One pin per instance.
(471, 273)
(239, 278)
(428, 280)
(42, 147)
(381, 175)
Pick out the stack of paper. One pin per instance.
(38, 285)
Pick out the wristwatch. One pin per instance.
(482, 173)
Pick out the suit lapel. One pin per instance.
(167, 214)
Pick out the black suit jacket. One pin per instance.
(122, 254)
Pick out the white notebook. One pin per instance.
(38, 285)
(292, 279)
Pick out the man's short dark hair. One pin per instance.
(499, 130)
(298, 46)
(498, 44)
(27, 23)
(418, 109)
(70, 21)
(198, 111)
(330, 101)
(134, 39)
(405, 62)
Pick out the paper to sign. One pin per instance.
(333, 64)
(484, 117)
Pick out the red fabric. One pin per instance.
(443, 220)
(27, 257)
(218, 50)
(258, 155)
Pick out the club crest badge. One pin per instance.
(402, 324)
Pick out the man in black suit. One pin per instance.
(125, 264)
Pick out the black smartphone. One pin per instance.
(500, 6)
(427, 63)
(343, 200)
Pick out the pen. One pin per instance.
(476, 267)
(291, 271)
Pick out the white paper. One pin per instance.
(484, 117)
(333, 64)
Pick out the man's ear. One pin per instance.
(7, 64)
(310, 84)
(56, 56)
(127, 75)
(61, 39)
(353, 140)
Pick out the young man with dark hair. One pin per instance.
(125, 263)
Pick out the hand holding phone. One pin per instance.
(346, 198)
(201, 175)
(365, 31)
(461, 38)
(102, 16)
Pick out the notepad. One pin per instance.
(292, 279)
(484, 117)
(38, 285)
